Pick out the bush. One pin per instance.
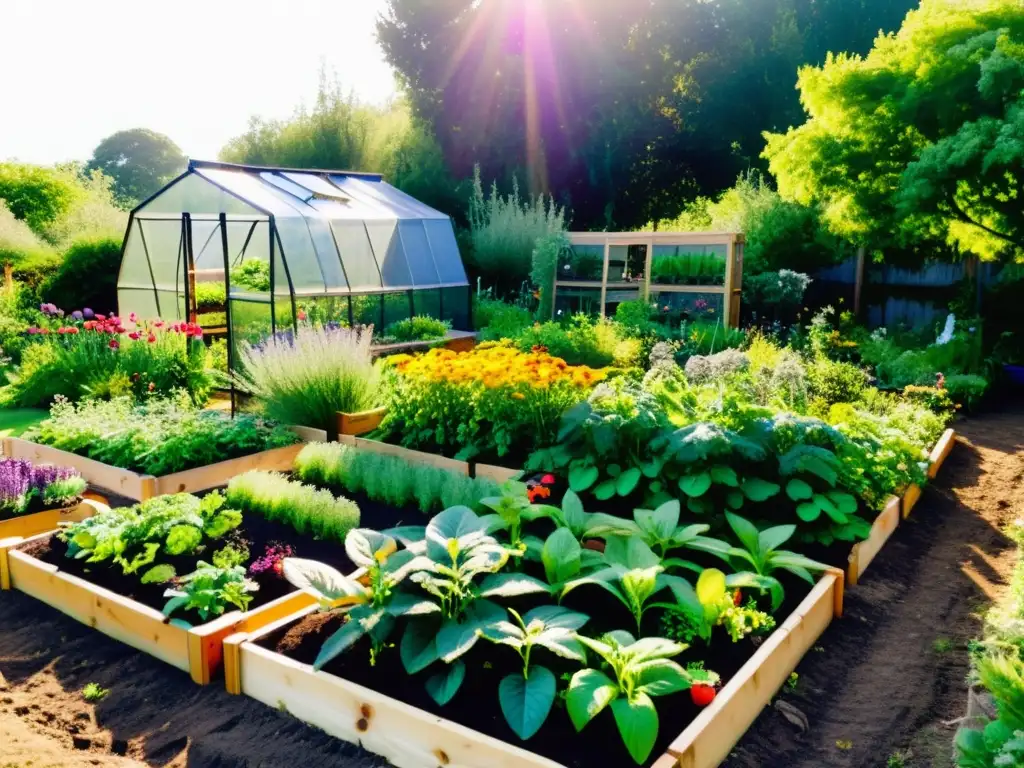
(87, 276)
(308, 510)
(418, 328)
(542, 272)
(21, 247)
(582, 340)
(157, 438)
(389, 479)
(703, 370)
(251, 275)
(307, 377)
(497, 320)
(835, 382)
(966, 389)
(775, 291)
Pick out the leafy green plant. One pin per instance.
(720, 607)
(418, 328)
(304, 508)
(209, 590)
(526, 699)
(93, 692)
(639, 670)
(251, 275)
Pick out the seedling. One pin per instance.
(791, 683)
(92, 692)
(942, 645)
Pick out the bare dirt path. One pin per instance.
(886, 678)
(891, 674)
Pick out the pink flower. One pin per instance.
(151, 338)
(33, 331)
(158, 324)
(301, 315)
(101, 317)
(132, 317)
(114, 344)
(134, 335)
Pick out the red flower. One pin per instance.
(548, 480)
(301, 315)
(89, 325)
(134, 335)
(115, 344)
(101, 317)
(151, 338)
(158, 324)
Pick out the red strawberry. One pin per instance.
(702, 695)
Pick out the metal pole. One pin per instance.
(227, 305)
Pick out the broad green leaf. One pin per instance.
(699, 506)
(418, 648)
(696, 484)
(366, 547)
(159, 574)
(445, 684)
(638, 725)
(783, 558)
(661, 677)
(604, 491)
(808, 511)
(627, 481)
(652, 468)
(640, 583)
(613, 470)
(600, 524)
(405, 604)
(662, 522)
(745, 530)
(407, 534)
(456, 637)
(758, 489)
(817, 466)
(589, 692)
(361, 620)
(799, 490)
(724, 475)
(647, 648)
(562, 642)
(581, 478)
(526, 703)
(456, 524)
(561, 556)
(845, 502)
(572, 513)
(511, 585)
(768, 584)
(683, 592)
(327, 584)
(710, 587)
(630, 552)
(735, 500)
(772, 538)
(681, 537)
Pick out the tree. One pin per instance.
(922, 139)
(37, 195)
(139, 160)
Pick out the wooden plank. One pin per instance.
(214, 475)
(415, 457)
(405, 736)
(232, 646)
(123, 482)
(940, 452)
(24, 526)
(864, 552)
(310, 434)
(495, 473)
(360, 423)
(118, 617)
(707, 741)
(205, 642)
(910, 498)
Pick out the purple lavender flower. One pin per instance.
(88, 314)
(271, 559)
(20, 480)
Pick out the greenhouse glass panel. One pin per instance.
(445, 250)
(427, 303)
(135, 272)
(581, 262)
(417, 253)
(420, 210)
(387, 247)
(207, 249)
(288, 186)
(455, 307)
(324, 310)
(327, 253)
(163, 241)
(356, 254)
(142, 301)
(366, 309)
(316, 184)
(675, 307)
(365, 194)
(396, 307)
(193, 193)
(570, 300)
(688, 264)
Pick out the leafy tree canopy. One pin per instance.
(922, 138)
(140, 161)
(37, 195)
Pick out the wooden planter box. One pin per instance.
(410, 455)
(495, 473)
(197, 651)
(864, 552)
(141, 487)
(24, 526)
(360, 423)
(412, 738)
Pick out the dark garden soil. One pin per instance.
(34, 506)
(888, 679)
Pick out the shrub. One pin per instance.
(87, 276)
(306, 509)
(497, 320)
(390, 479)
(20, 247)
(418, 328)
(505, 231)
(783, 290)
(935, 399)
(583, 340)
(703, 370)
(705, 338)
(155, 438)
(966, 389)
(835, 382)
(252, 275)
(307, 377)
(542, 273)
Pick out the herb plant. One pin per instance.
(210, 589)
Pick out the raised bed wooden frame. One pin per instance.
(141, 487)
(360, 423)
(197, 650)
(412, 738)
(896, 509)
(23, 526)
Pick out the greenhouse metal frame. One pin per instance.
(341, 246)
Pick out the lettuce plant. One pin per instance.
(210, 589)
(637, 671)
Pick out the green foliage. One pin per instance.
(36, 195)
(418, 328)
(210, 590)
(209, 295)
(307, 377)
(506, 230)
(835, 382)
(542, 271)
(87, 275)
(251, 275)
(582, 340)
(783, 290)
(93, 692)
(966, 389)
(140, 161)
(389, 479)
(720, 608)
(137, 537)
(496, 320)
(19, 245)
(157, 438)
(307, 510)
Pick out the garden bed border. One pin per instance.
(24, 526)
(142, 487)
(197, 650)
(409, 737)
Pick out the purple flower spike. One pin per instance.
(87, 313)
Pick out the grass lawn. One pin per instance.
(14, 421)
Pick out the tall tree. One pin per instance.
(923, 138)
(140, 161)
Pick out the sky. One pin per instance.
(75, 71)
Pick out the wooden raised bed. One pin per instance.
(197, 651)
(409, 737)
(495, 473)
(410, 455)
(141, 487)
(24, 526)
(863, 552)
(360, 423)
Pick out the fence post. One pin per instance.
(858, 284)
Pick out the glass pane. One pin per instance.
(387, 248)
(417, 253)
(581, 262)
(675, 307)
(299, 253)
(366, 310)
(688, 264)
(626, 263)
(137, 300)
(315, 184)
(427, 303)
(385, 191)
(396, 307)
(134, 268)
(356, 254)
(207, 249)
(615, 296)
(327, 253)
(455, 307)
(196, 194)
(569, 301)
(250, 322)
(248, 240)
(323, 310)
(367, 193)
(288, 186)
(447, 258)
(163, 241)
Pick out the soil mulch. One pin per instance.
(888, 677)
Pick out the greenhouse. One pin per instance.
(283, 245)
